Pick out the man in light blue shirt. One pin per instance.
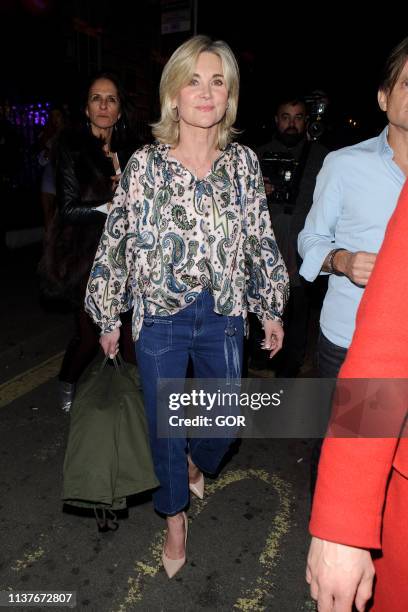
(356, 192)
(355, 195)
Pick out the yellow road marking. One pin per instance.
(252, 598)
(32, 556)
(28, 559)
(29, 380)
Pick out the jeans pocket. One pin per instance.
(156, 336)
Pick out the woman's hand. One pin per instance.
(339, 576)
(110, 343)
(273, 337)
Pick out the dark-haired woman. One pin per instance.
(89, 163)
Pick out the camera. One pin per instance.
(316, 104)
(280, 169)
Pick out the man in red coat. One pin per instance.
(359, 519)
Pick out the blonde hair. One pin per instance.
(178, 72)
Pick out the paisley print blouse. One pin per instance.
(170, 235)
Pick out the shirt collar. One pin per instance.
(383, 145)
(387, 153)
(164, 151)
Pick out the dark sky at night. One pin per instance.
(282, 48)
(314, 48)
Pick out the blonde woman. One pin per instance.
(190, 230)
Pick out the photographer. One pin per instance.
(290, 163)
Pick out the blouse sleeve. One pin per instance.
(108, 292)
(266, 275)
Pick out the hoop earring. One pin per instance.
(177, 118)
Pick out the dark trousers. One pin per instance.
(289, 360)
(296, 320)
(330, 358)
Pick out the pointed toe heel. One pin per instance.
(172, 566)
(197, 487)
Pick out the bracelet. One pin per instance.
(330, 263)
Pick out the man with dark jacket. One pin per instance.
(290, 163)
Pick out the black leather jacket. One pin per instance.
(83, 183)
(84, 178)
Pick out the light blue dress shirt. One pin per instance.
(356, 192)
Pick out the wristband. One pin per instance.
(330, 263)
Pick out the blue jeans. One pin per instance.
(215, 345)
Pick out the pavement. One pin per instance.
(247, 542)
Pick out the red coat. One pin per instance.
(361, 496)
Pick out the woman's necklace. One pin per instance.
(196, 169)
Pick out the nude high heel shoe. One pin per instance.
(196, 487)
(172, 566)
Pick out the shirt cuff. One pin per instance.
(313, 261)
(268, 315)
(109, 325)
